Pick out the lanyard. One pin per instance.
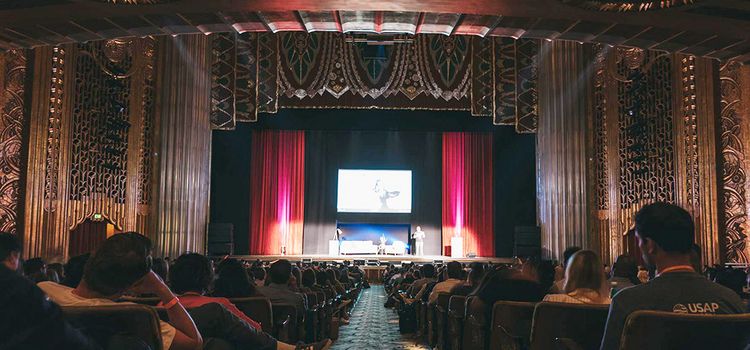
(675, 268)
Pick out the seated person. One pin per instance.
(120, 264)
(74, 270)
(624, 273)
(665, 235)
(28, 320)
(472, 280)
(259, 275)
(428, 275)
(585, 282)
(309, 281)
(191, 277)
(278, 290)
(232, 281)
(453, 273)
(35, 269)
(557, 287)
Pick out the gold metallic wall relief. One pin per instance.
(12, 124)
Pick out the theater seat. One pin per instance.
(441, 321)
(647, 330)
(456, 315)
(257, 308)
(287, 322)
(138, 321)
(476, 325)
(511, 325)
(562, 325)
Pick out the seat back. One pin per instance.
(257, 308)
(646, 330)
(582, 324)
(151, 301)
(138, 321)
(511, 325)
(456, 315)
(476, 325)
(286, 322)
(441, 320)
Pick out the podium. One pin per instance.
(457, 247)
(333, 248)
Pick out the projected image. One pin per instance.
(374, 191)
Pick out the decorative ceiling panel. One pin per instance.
(246, 22)
(282, 21)
(476, 25)
(399, 22)
(438, 23)
(358, 21)
(324, 21)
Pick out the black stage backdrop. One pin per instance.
(386, 139)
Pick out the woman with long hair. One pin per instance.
(585, 281)
(232, 281)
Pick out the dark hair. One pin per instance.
(454, 269)
(308, 278)
(121, 261)
(625, 266)
(233, 281)
(476, 274)
(8, 243)
(33, 266)
(733, 279)
(280, 271)
(74, 270)
(191, 272)
(546, 273)
(568, 253)
(259, 273)
(321, 278)
(428, 271)
(670, 226)
(161, 268)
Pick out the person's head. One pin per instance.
(57, 268)
(733, 279)
(308, 278)
(191, 272)
(161, 268)
(232, 281)
(10, 250)
(625, 266)
(419, 228)
(664, 231)
(74, 270)
(34, 266)
(120, 262)
(258, 272)
(584, 271)
(280, 271)
(428, 271)
(297, 274)
(476, 273)
(321, 278)
(568, 253)
(454, 270)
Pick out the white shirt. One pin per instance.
(443, 287)
(64, 296)
(574, 299)
(418, 236)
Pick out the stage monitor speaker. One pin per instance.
(220, 238)
(527, 241)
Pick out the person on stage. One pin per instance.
(418, 237)
(381, 246)
(337, 235)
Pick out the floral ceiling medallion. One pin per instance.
(627, 5)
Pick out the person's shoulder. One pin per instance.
(633, 292)
(50, 287)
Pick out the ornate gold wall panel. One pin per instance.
(562, 182)
(182, 193)
(12, 124)
(734, 163)
(90, 140)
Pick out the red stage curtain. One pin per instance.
(467, 191)
(277, 192)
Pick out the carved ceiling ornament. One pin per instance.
(627, 5)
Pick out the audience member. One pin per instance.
(665, 234)
(428, 275)
(35, 269)
(278, 289)
(309, 281)
(232, 281)
(10, 251)
(452, 280)
(74, 270)
(734, 279)
(585, 281)
(259, 275)
(55, 272)
(559, 284)
(161, 268)
(624, 273)
(120, 264)
(191, 278)
(476, 273)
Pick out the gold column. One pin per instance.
(565, 101)
(181, 194)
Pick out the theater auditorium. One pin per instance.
(382, 174)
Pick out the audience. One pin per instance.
(278, 290)
(74, 270)
(624, 273)
(585, 281)
(10, 251)
(232, 281)
(665, 234)
(161, 268)
(259, 275)
(452, 276)
(55, 272)
(35, 269)
(559, 284)
(476, 273)
(428, 275)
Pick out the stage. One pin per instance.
(390, 259)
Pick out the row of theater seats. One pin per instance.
(461, 323)
(284, 322)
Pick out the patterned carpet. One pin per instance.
(374, 327)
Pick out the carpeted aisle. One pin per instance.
(374, 327)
